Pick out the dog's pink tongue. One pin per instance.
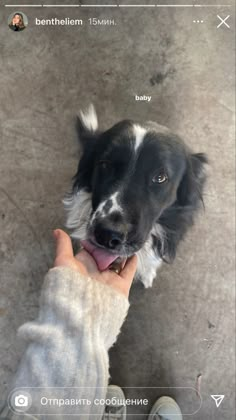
(102, 257)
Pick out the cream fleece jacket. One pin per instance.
(79, 320)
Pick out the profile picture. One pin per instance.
(17, 21)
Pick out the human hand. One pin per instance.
(86, 265)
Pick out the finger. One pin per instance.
(63, 244)
(130, 268)
(84, 257)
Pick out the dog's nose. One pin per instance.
(109, 238)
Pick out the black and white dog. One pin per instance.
(136, 190)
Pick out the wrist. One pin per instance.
(78, 302)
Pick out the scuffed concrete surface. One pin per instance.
(184, 325)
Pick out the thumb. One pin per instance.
(63, 244)
(130, 268)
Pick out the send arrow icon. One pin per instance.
(218, 399)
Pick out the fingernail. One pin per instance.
(56, 233)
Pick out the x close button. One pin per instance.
(223, 21)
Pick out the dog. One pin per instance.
(136, 191)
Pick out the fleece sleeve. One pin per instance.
(79, 320)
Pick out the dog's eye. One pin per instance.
(160, 178)
(104, 164)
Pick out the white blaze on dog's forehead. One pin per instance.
(139, 134)
(89, 118)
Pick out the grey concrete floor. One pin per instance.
(184, 325)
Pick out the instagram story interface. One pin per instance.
(117, 209)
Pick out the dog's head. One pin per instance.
(135, 182)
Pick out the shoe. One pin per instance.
(165, 408)
(117, 411)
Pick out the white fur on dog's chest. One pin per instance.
(148, 264)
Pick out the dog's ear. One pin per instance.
(191, 187)
(176, 220)
(87, 125)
